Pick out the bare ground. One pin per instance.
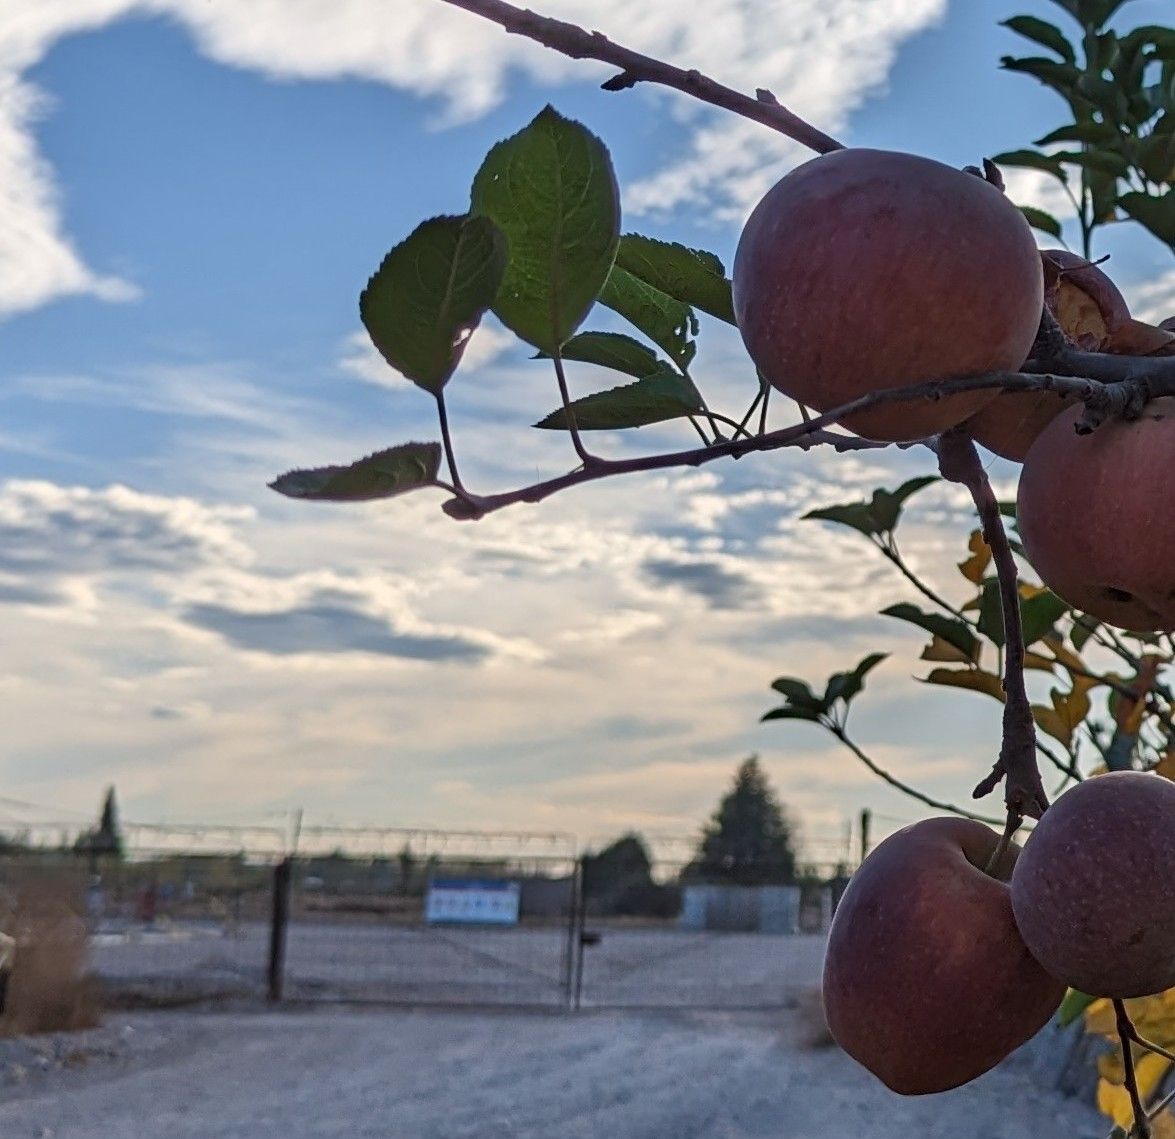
(425, 1074)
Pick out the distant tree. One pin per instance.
(621, 865)
(106, 837)
(748, 840)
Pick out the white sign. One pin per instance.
(472, 901)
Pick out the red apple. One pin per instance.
(1091, 312)
(1091, 890)
(863, 270)
(927, 982)
(1096, 514)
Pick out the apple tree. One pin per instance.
(896, 301)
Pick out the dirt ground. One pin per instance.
(334, 1073)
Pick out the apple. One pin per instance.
(1091, 890)
(927, 981)
(1091, 311)
(862, 270)
(1096, 515)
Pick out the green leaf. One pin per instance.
(551, 190)
(1156, 154)
(652, 399)
(877, 516)
(691, 276)
(797, 693)
(1080, 633)
(382, 475)
(1156, 214)
(886, 506)
(790, 712)
(1038, 219)
(1074, 1004)
(668, 323)
(991, 612)
(1039, 614)
(1044, 33)
(612, 350)
(1095, 13)
(974, 679)
(1080, 132)
(846, 685)
(952, 630)
(1106, 161)
(1032, 160)
(429, 294)
(1061, 77)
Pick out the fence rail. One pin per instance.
(519, 930)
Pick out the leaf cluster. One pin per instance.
(1116, 157)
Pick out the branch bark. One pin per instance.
(576, 42)
(1024, 792)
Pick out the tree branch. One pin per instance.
(470, 507)
(571, 40)
(1024, 792)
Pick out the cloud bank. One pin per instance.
(820, 57)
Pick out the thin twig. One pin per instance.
(471, 507)
(905, 788)
(893, 555)
(1126, 1034)
(1024, 792)
(576, 42)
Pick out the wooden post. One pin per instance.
(866, 815)
(282, 877)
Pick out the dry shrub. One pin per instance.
(813, 1028)
(50, 989)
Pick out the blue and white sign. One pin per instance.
(472, 901)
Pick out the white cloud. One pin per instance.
(821, 57)
(1155, 300)
(1036, 188)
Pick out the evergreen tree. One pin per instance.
(748, 840)
(623, 864)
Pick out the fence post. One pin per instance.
(282, 876)
(579, 940)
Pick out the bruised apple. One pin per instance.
(1096, 515)
(927, 981)
(863, 270)
(1090, 310)
(1090, 891)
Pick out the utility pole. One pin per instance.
(866, 816)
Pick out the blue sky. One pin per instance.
(192, 194)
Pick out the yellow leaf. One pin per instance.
(940, 649)
(1113, 1100)
(974, 567)
(1149, 1072)
(1053, 723)
(1034, 660)
(973, 678)
(1065, 655)
(1100, 1018)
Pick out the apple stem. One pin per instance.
(1127, 1035)
(992, 869)
(1024, 792)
